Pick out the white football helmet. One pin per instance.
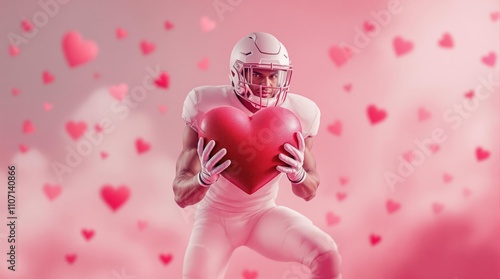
(260, 70)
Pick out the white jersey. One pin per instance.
(223, 194)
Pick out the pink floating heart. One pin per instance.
(495, 16)
(15, 91)
(335, 128)
(375, 115)
(14, 50)
(162, 108)
(375, 239)
(142, 146)
(469, 94)
(98, 128)
(392, 206)
(339, 55)
(203, 64)
(249, 274)
(332, 219)
(423, 114)
(341, 196)
(121, 33)
(348, 87)
(408, 156)
(163, 81)
(482, 154)
(70, 258)
(47, 77)
(343, 180)
(28, 127)
(434, 147)
(52, 191)
(141, 224)
(368, 26)
(466, 192)
(147, 47)
(402, 46)
(489, 59)
(437, 207)
(447, 178)
(76, 50)
(88, 234)
(168, 25)
(206, 24)
(118, 91)
(166, 258)
(104, 155)
(23, 148)
(446, 41)
(47, 106)
(26, 25)
(115, 197)
(76, 129)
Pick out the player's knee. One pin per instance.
(325, 260)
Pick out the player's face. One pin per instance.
(261, 80)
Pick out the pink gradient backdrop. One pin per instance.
(446, 225)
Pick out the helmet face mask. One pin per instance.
(260, 70)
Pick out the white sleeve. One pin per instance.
(314, 128)
(190, 110)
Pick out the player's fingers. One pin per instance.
(293, 151)
(302, 144)
(200, 147)
(220, 168)
(216, 158)
(289, 161)
(283, 169)
(207, 150)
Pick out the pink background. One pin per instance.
(443, 222)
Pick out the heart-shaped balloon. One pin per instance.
(253, 143)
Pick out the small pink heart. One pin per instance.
(340, 55)
(97, 75)
(332, 219)
(249, 274)
(434, 147)
(147, 47)
(70, 258)
(348, 87)
(52, 191)
(375, 239)
(26, 25)
(482, 154)
(121, 33)
(402, 46)
(375, 115)
(446, 41)
(14, 50)
(118, 91)
(163, 80)
(203, 64)
(28, 127)
(142, 146)
(447, 178)
(47, 106)
(206, 24)
(466, 192)
(423, 114)
(166, 258)
(98, 128)
(168, 25)
(142, 224)
(469, 94)
(392, 206)
(335, 128)
(76, 50)
(341, 196)
(343, 180)
(76, 129)
(408, 156)
(15, 91)
(437, 207)
(23, 148)
(162, 108)
(489, 59)
(495, 16)
(47, 77)
(104, 155)
(115, 197)
(368, 26)
(87, 234)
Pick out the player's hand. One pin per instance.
(209, 173)
(294, 171)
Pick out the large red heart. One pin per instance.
(252, 142)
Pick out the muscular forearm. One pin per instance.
(307, 189)
(187, 190)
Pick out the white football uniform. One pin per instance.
(227, 217)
